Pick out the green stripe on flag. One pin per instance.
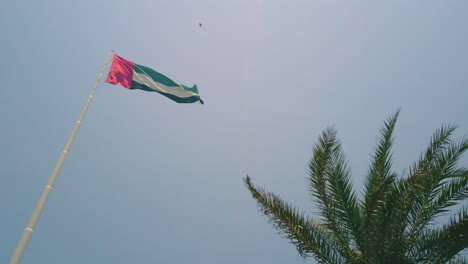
(159, 78)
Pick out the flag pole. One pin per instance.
(21, 246)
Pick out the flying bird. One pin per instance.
(200, 24)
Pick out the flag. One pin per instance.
(134, 76)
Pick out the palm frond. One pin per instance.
(396, 221)
(440, 139)
(408, 195)
(443, 185)
(378, 182)
(309, 238)
(447, 195)
(444, 244)
(342, 196)
(450, 192)
(320, 165)
(319, 170)
(379, 177)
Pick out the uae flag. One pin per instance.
(134, 76)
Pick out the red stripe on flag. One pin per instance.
(121, 72)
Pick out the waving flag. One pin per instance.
(134, 76)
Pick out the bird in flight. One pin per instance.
(200, 24)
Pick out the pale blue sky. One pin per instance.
(151, 181)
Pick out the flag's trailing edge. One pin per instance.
(134, 76)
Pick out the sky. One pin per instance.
(148, 180)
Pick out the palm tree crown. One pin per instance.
(394, 220)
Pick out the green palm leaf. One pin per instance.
(396, 220)
(379, 178)
(443, 245)
(308, 237)
(433, 186)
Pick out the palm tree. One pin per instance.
(395, 221)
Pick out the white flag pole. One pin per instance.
(21, 246)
